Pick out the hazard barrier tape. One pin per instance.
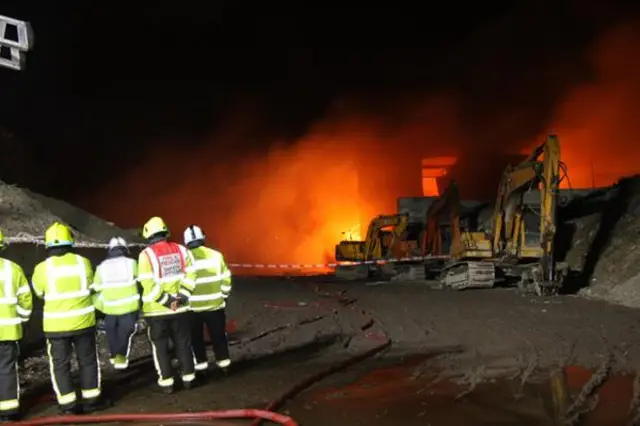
(25, 238)
(333, 265)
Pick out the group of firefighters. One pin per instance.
(177, 289)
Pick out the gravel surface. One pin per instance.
(472, 336)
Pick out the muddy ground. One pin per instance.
(474, 357)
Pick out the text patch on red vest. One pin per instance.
(170, 264)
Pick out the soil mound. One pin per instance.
(25, 214)
(599, 238)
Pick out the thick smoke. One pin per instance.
(598, 123)
(290, 204)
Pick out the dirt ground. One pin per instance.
(450, 350)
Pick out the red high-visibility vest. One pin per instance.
(166, 258)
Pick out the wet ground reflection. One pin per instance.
(408, 395)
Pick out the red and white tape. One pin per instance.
(39, 240)
(331, 265)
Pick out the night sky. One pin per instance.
(105, 87)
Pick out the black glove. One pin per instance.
(182, 299)
(169, 302)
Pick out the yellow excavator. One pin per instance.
(510, 247)
(466, 249)
(386, 238)
(523, 252)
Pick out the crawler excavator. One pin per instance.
(524, 253)
(467, 250)
(509, 247)
(388, 236)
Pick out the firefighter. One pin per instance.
(15, 308)
(117, 296)
(63, 280)
(166, 284)
(213, 286)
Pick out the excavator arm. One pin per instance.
(447, 203)
(373, 240)
(372, 246)
(540, 171)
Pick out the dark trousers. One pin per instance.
(167, 331)
(9, 387)
(216, 322)
(120, 330)
(60, 349)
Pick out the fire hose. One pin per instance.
(162, 417)
(258, 415)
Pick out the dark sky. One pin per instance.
(105, 85)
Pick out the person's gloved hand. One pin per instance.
(171, 303)
(182, 299)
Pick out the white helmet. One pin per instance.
(116, 242)
(193, 233)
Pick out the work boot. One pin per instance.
(167, 390)
(99, 404)
(224, 365)
(120, 362)
(7, 418)
(70, 410)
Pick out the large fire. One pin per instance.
(292, 204)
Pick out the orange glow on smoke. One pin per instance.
(293, 203)
(597, 124)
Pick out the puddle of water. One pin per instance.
(406, 395)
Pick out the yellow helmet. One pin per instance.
(154, 226)
(58, 235)
(2, 243)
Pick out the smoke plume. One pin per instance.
(598, 123)
(292, 202)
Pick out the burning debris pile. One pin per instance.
(23, 212)
(602, 232)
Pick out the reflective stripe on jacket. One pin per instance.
(63, 282)
(212, 280)
(115, 286)
(16, 302)
(162, 272)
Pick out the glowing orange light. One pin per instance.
(432, 169)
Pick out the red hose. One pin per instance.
(310, 381)
(162, 417)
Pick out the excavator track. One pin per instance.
(464, 275)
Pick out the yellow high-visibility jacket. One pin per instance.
(212, 280)
(16, 302)
(63, 282)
